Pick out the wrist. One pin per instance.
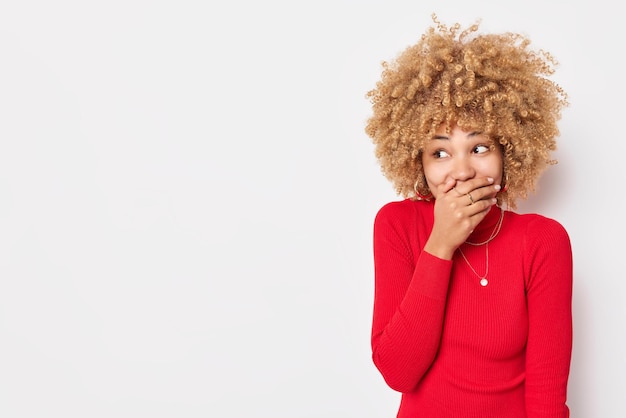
(442, 251)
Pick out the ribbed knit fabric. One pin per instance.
(456, 349)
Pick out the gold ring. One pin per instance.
(471, 198)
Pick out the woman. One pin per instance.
(472, 305)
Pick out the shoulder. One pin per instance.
(408, 221)
(403, 210)
(540, 229)
(547, 252)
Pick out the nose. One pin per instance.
(462, 169)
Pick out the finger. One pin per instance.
(481, 206)
(485, 192)
(447, 186)
(475, 184)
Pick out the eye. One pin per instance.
(440, 153)
(479, 149)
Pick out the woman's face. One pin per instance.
(460, 156)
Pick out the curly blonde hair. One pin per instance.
(491, 83)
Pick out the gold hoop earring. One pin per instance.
(419, 186)
(505, 183)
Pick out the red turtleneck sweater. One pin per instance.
(456, 349)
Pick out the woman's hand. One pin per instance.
(457, 212)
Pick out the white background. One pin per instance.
(188, 196)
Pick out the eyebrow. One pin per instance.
(470, 135)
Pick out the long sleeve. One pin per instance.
(549, 297)
(409, 300)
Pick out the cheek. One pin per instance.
(492, 167)
(435, 175)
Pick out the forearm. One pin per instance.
(406, 336)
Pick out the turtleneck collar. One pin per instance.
(485, 228)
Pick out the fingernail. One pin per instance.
(490, 179)
(497, 187)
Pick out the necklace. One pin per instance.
(483, 279)
(495, 231)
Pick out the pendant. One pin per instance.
(484, 282)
